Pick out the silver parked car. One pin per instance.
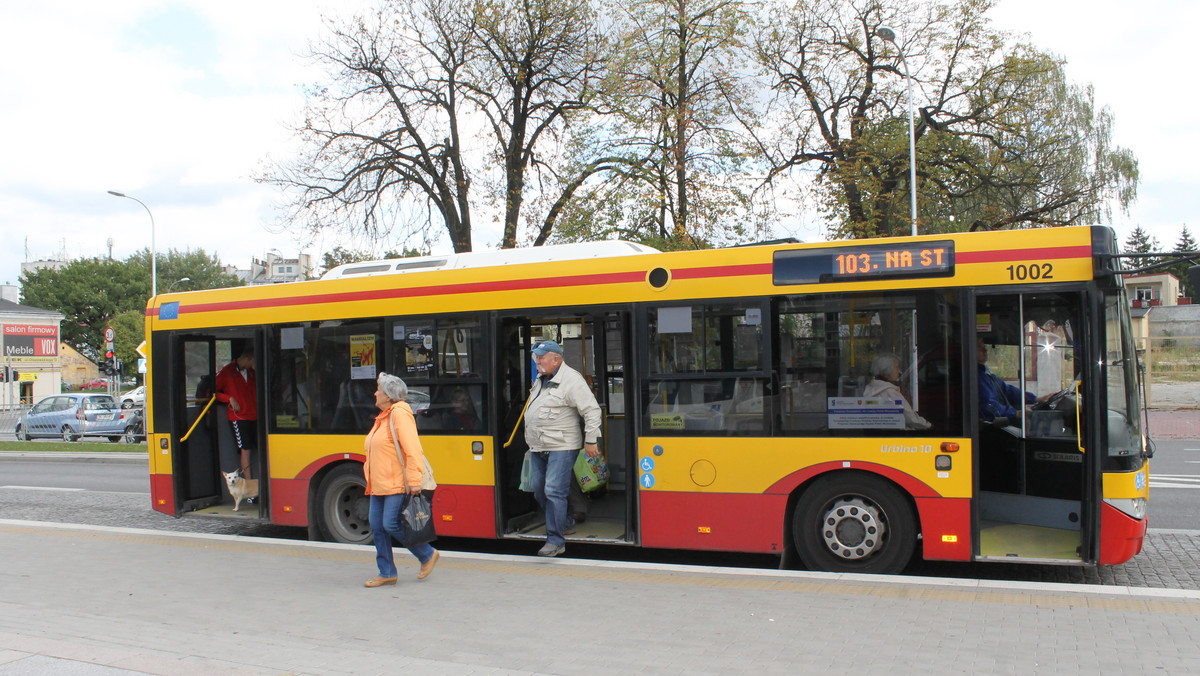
(134, 397)
(72, 416)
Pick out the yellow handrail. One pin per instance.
(198, 419)
(514, 432)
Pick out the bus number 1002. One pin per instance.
(1032, 271)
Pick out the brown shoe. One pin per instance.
(379, 581)
(427, 567)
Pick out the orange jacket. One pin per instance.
(382, 468)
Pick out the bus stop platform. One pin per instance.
(107, 601)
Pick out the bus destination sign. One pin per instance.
(864, 262)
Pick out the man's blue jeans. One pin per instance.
(551, 473)
(385, 525)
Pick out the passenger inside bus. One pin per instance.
(1000, 404)
(460, 416)
(885, 371)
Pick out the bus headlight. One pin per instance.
(1134, 507)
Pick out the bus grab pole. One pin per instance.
(198, 419)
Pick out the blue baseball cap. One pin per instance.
(546, 346)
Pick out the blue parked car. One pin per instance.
(73, 416)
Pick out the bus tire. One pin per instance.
(343, 508)
(854, 523)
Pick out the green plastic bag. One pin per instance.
(592, 473)
(526, 485)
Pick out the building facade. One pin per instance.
(31, 357)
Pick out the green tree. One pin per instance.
(1186, 244)
(679, 102)
(89, 293)
(1003, 140)
(129, 329)
(1140, 242)
(203, 271)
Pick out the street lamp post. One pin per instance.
(889, 35)
(153, 248)
(178, 281)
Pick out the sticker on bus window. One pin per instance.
(666, 421)
(854, 413)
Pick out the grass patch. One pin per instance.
(72, 447)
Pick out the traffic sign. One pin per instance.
(109, 334)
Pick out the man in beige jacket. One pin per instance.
(559, 399)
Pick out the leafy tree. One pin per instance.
(92, 292)
(678, 104)
(1140, 242)
(129, 329)
(203, 271)
(1003, 140)
(1186, 244)
(89, 293)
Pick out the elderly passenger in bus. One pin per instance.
(885, 370)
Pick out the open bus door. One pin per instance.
(197, 465)
(1031, 447)
(205, 446)
(596, 345)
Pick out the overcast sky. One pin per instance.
(179, 104)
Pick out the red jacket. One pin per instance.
(231, 383)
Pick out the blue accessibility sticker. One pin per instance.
(1139, 480)
(647, 481)
(647, 464)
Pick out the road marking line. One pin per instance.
(43, 488)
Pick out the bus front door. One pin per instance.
(596, 345)
(1032, 466)
(197, 461)
(206, 447)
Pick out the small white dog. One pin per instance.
(240, 488)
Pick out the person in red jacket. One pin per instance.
(236, 389)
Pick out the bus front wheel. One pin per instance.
(854, 523)
(343, 508)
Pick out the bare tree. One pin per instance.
(1003, 140)
(421, 96)
(386, 135)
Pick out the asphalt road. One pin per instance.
(1174, 481)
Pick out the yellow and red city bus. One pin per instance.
(744, 391)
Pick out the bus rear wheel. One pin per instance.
(343, 508)
(854, 523)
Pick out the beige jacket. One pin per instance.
(552, 421)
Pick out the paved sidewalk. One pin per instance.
(1183, 423)
(89, 600)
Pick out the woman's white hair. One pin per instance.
(392, 387)
(882, 365)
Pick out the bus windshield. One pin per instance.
(1120, 367)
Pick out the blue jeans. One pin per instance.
(385, 525)
(551, 474)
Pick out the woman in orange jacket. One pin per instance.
(390, 480)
